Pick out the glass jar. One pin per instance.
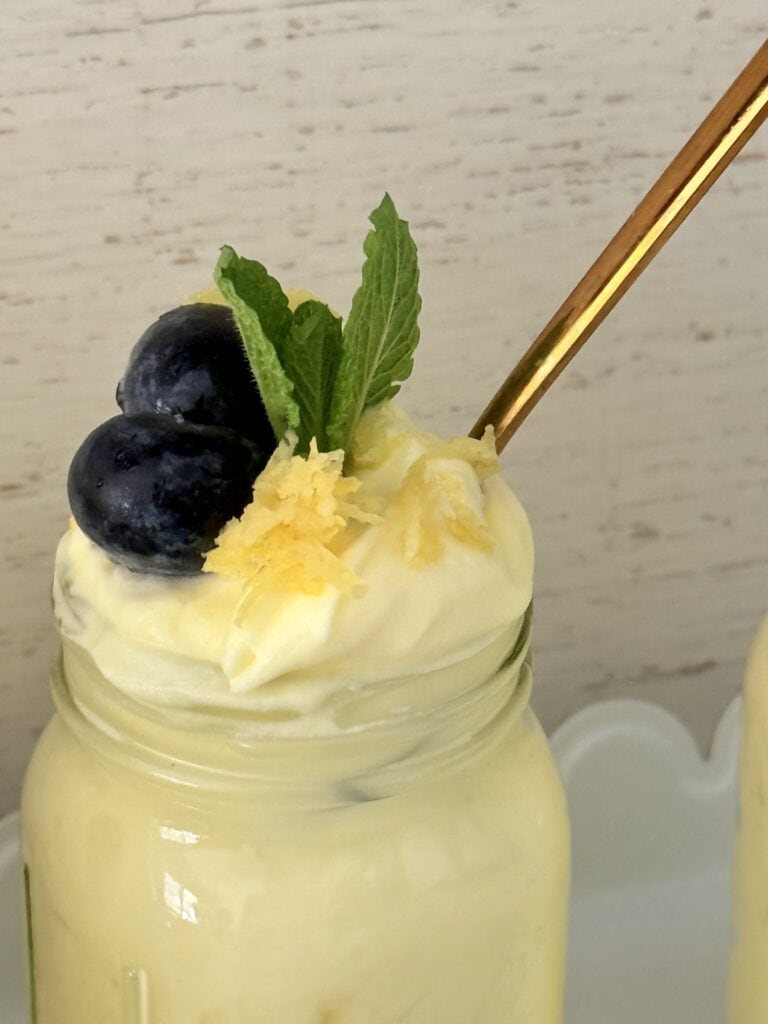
(748, 983)
(182, 868)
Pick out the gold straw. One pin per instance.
(717, 140)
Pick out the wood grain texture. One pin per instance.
(138, 135)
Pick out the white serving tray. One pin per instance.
(652, 831)
(653, 827)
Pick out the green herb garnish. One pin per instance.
(316, 377)
(311, 360)
(247, 287)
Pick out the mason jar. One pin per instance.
(748, 983)
(183, 867)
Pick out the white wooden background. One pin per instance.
(137, 136)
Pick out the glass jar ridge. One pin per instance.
(204, 746)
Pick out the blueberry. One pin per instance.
(154, 492)
(191, 364)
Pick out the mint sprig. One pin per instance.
(382, 330)
(314, 377)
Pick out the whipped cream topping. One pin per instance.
(430, 608)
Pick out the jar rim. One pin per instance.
(182, 744)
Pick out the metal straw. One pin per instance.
(722, 134)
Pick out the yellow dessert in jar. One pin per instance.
(294, 775)
(748, 983)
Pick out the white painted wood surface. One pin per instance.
(137, 136)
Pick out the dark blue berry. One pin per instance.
(191, 364)
(154, 492)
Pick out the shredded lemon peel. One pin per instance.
(291, 534)
(434, 504)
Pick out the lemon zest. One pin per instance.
(432, 504)
(291, 535)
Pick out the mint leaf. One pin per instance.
(264, 320)
(382, 329)
(310, 358)
(314, 377)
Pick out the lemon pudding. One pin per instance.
(293, 775)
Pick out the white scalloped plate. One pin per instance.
(652, 831)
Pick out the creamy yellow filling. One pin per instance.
(438, 549)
